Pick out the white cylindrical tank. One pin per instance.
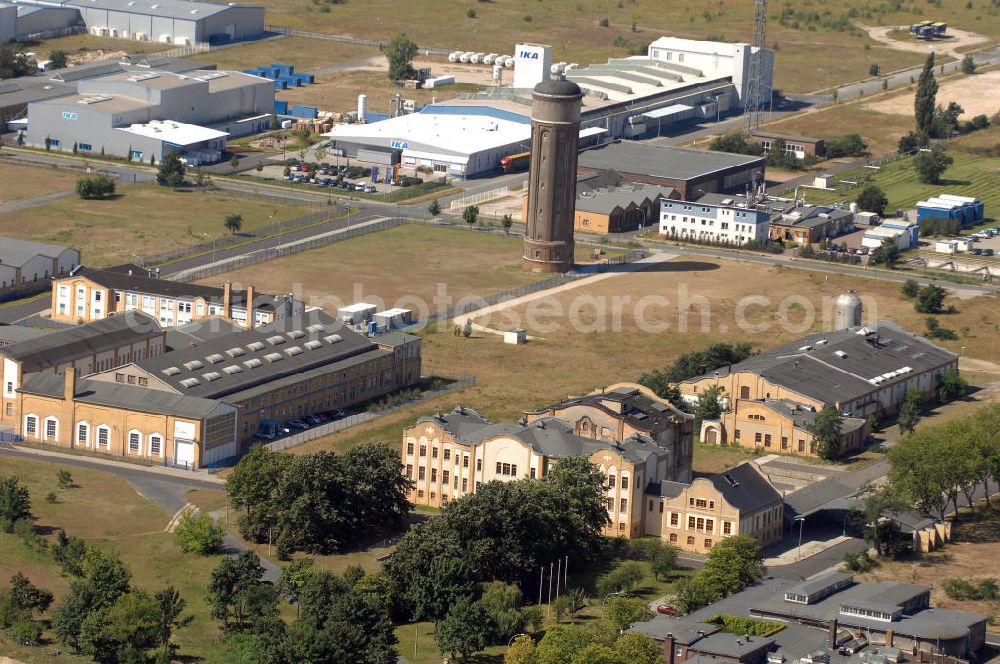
(572, 65)
(556, 69)
(454, 56)
(847, 311)
(490, 57)
(362, 107)
(497, 72)
(508, 61)
(465, 57)
(477, 58)
(854, 208)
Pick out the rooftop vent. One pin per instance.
(194, 364)
(732, 480)
(804, 348)
(255, 346)
(333, 338)
(273, 357)
(211, 375)
(190, 382)
(236, 352)
(276, 340)
(214, 358)
(233, 369)
(317, 327)
(313, 344)
(171, 371)
(252, 364)
(293, 350)
(296, 334)
(840, 353)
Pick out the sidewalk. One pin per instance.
(199, 475)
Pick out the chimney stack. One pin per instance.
(831, 639)
(888, 638)
(250, 310)
(668, 649)
(69, 384)
(227, 296)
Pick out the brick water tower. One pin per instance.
(555, 135)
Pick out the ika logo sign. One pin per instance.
(399, 144)
(528, 55)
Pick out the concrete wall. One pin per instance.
(46, 20)
(233, 24)
(8, 23)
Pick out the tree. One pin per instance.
(95, 187)
(709, 406)
(522, 651)
(664, 561)
(909, 412)
(637, 648)
(925, 99)
(15, 502)
(621, 612)
(198, 533)
(237, 594)
(873, 69)
(169, 619)
(886, 254)
(308, 504)
(501, 602)
(471, 214)
(910, 141)
(251, 486)
(400, 52)
(104, 579)
(463, 630)
(968, 65)
(951, 386)
(259, 168)
(467, 328)
(434, 208)
(910, 288)
(931, 164)
(622, 579)
(872, 199)
(171, 171)
(695, 363)
(506, 222)
(825, 429)
(294, 577)
(65, 478)
(930, 300)
(125, 631)
(233, 223)
(731, 565)
(921, 470)
(57, 60)
(13, 64)
(234, 163)
(561, 643)
(736, 144)
(23, 595)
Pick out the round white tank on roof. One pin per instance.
(362, 107)
(454, 56)
(556, 69)
(854, 208)
(847, 311)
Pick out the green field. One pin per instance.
(971, 175)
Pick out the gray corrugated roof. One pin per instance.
(639, 411)
(746, 488)
(177, 9)
(130, 397)
(12, 334)
(65, 345)
(605, 200)
(666, 488)
(731, 645)
(17, 252)
(818, 372)
(293, 332)
(135, 279)
(684, 630)
(820, 583)
(818, 496)
(663, 161)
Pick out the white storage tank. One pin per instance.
(356, 314)
(454, 56)
(392, 319)
(490, 57)
(362, 107)
(508, 61)
(477, 58)
(465, 57)
(556, 69)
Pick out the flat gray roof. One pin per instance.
(663, 161)
(18, 252)
(177, 9)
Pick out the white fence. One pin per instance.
(476, 199)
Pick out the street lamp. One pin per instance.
(605, 600)
(801, 520)
(209, 237)
(511, 639)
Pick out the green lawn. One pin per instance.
(143, 219)
(107, 512)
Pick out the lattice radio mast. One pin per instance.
(754, 88)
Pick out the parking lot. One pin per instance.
(347, 177)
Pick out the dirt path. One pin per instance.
(954, 40)
(978, 94)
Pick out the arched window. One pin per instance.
(51, 428)
(155, 445)
(104, 436)
(31, 426)
(135, 442)
(83, 434)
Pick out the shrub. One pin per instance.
(471, 13)
(603, 23)
(742, 625)
(859, 562)
(95, 188)
(198, 534)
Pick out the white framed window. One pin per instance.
(155, 444)
(134, 442)
(83, 434)
(103, 436)
(51, 428)
(31, 425)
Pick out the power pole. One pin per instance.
(753, 88)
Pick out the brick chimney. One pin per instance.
(227, 296)
(669, 649)
(888, 637)
(250, 309)
(69, 384)
(831, 635)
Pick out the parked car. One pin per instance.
(987, 252)
(667, 610)
(265, 435)
(370, 189)
(314, 420)
(976, 251)
(297, 424)
(359, 186)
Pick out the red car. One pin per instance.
(668, 610)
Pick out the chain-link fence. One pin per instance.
(347, 39)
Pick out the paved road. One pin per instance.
(37, 200)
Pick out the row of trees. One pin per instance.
(574, 644)
(318, 502)
(692, 364)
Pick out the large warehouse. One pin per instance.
(691, 172)
(145, 115)
(182, 22)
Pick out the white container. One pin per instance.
(454, 56)
(362, 107)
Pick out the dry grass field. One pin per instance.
(303, 53)
(85, 48)
(19, 182)
(881, 131)
(600, 351)
(397, 266)
(143, 219)
(977, 94)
